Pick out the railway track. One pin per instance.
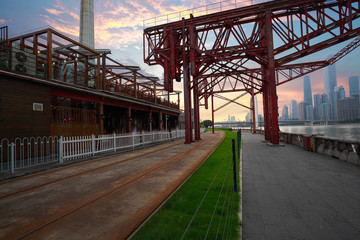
(102, 197)
(53, 171)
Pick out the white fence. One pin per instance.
(30, 152)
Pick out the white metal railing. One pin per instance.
(27, 152)
(30, 152)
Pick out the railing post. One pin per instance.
(143, 137)
(93, 144)
(12, 158)
(114, 137)
(133, 140)
(60, 149)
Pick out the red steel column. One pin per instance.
(187, 102)
(270, 76)
(253, 110)
(265, 88)
(195, 81)
(196, 110)
(187, 89)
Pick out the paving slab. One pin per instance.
(289, 193)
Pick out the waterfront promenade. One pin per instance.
(289, 193)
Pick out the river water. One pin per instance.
(341, 131)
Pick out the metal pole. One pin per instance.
(212, 113)
(93, 144)
(12, 157)
(60, 149)
(234, 164)
(114, 138)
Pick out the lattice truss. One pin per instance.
(227, 50)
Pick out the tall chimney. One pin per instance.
(87, 23)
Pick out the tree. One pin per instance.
(206, 123)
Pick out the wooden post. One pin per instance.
(49, 54)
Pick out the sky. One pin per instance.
(119, 27)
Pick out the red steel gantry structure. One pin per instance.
(251, 49)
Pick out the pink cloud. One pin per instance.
(53, 11)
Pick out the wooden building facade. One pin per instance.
(54, 86)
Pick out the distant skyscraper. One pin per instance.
(307, 90)
(324, 107)
(247, 117)
(324, 98)
(309, 112)
(301, 109)
(293, 110)
(285, 113)
(317, 102)
(324, 114)
(329, 85)
(339, 92)
(354, 85)
(232, 119)
(348, 109)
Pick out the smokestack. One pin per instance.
(87, 23)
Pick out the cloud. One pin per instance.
(63, 19)
(3, 21)
(53, 11)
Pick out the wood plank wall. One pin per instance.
(17, 117)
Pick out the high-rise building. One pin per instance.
(247, 117)
(293, 110)
(339, 92)
(317, 102)
(307, 90)
(309, 112)
(301, 109)
(348, 109)
(285, 113)
(87, 23)
(324, 98)
(329, 85)
(324, 108)
(232, 119)
(354, 86)
(324, 113)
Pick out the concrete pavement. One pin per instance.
(289, 193)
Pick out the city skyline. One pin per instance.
(119, 27)
(322, 109)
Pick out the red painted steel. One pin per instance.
(228, 49)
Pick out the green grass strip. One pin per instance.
(217, 216)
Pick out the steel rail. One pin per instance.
(76, 173)
(125, 183)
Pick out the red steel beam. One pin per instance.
(238, 43)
